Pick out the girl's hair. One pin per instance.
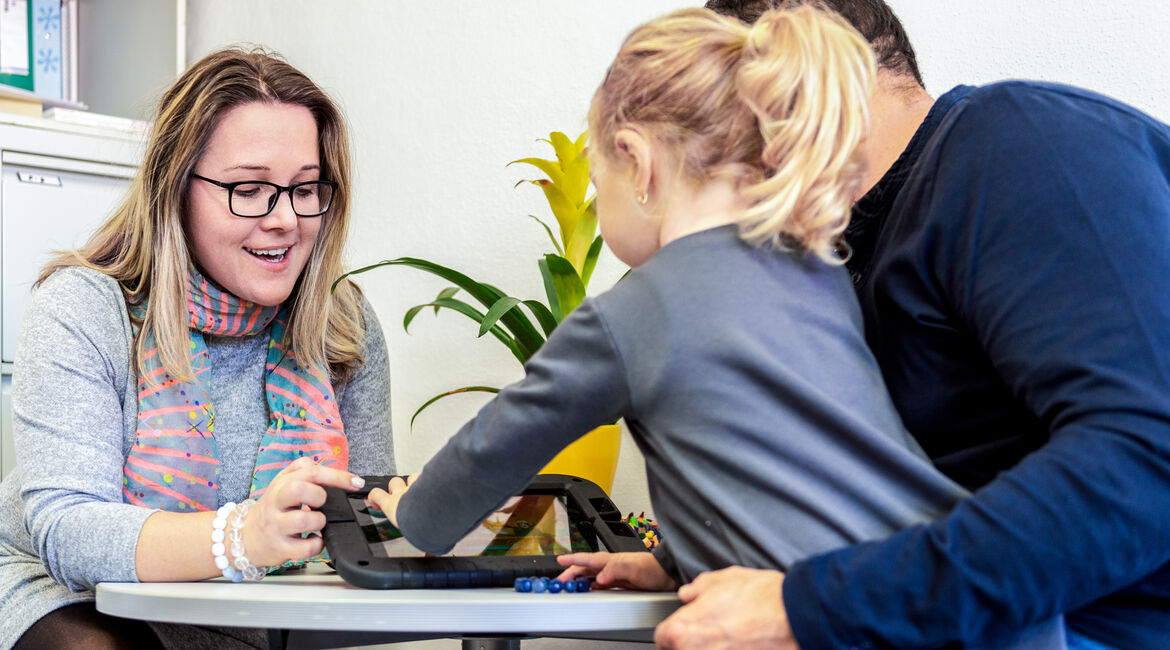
(779, 108)
(143, 245)
(874, 19)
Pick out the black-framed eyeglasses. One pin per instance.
(255, 199)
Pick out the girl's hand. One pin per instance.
(273, 530)
(387, 502)
(632, 570)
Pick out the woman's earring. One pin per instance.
(642, 198)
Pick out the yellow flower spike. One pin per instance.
(582, 141)
(574, 165)
(564, 147)
(566, 186)
(562, 209)
(549, 167)
(577, 248)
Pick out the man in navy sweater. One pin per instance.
(1012, 258)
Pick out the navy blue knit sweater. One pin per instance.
(1014, 273)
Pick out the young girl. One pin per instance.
(725, 159)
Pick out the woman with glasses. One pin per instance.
(187, 380)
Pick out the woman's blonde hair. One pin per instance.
(779, 108)
(143, 245)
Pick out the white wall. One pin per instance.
(1119, 48)
(441, 95)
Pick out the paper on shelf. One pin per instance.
(14, 37)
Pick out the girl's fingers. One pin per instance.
(575, 571)
(592, 561)
(379, 498)
(397, 484)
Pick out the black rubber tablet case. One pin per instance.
(358, 566)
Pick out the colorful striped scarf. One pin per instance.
(174, 464)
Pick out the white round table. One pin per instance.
(316, 599)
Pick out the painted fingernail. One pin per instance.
(357, 482)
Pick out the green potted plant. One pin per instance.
(523, 325)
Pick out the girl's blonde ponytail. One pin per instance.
(807, 76)
(778, 109)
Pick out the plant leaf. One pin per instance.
(566, 151)
(547, 321)
(549, 167)
(449, 292)
(591, 261)
(472, 313)
(577, 178)
(551, 236)
(565, 282)
(528, 339)
(550, 291)
(574, 166)
(499, 291)
(585, 229)
(562, 208)
(412, 312)
(576, 182)
(466, 389)
(499, 309)
(438, 303)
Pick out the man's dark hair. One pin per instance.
(873, 18)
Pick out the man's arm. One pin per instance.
(1054, 257)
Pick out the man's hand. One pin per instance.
(387, 502)
(633, 570)
(731, 608)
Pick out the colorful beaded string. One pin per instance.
(646, 529)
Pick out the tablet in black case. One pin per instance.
(555, 514)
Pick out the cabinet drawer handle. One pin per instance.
(40, 179)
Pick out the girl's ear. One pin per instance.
(637, 152)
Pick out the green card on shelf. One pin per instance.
(16, 51)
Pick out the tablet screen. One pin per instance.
(530, 524)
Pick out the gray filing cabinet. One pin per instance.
(57, 184)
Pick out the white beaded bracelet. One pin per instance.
(243, 567)
(218, 549)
